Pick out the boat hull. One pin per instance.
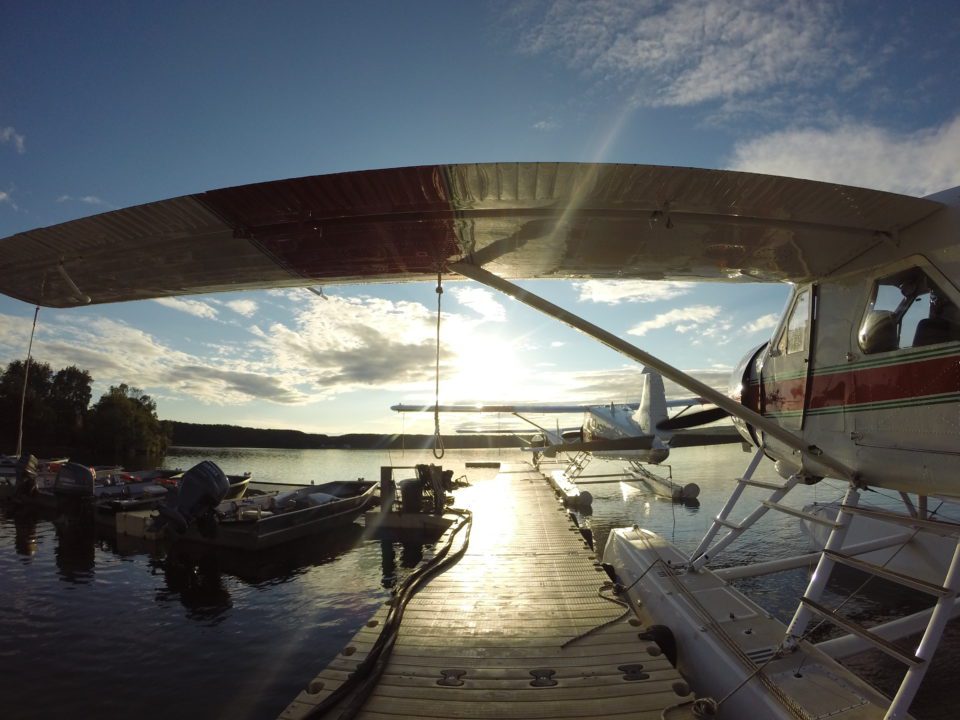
(276, 529)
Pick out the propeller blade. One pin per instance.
(695, 419)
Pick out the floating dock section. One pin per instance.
(516, 629)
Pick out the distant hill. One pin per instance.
(200, 435)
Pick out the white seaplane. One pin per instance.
(859, 381)
(614, 431)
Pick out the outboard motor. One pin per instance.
(26, 475)
(201, 489)
(74, 480)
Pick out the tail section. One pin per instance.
(653, 405)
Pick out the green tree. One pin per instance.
(39, 417)
(122, 427)
(70, 395)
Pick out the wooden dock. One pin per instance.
(491, 636)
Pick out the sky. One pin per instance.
(111, 104)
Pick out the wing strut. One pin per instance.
(811, 455)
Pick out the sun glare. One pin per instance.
(486, 370)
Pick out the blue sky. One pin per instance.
(105, 105)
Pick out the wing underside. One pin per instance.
(518, 220)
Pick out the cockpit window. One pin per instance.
(907, 310)
(796, 335)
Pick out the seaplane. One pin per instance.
(616, 431)
(859, 381)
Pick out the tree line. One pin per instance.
(121, 427)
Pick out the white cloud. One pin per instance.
(852, 153)
(482, 302)
(242, 307)
(694, 51)
(765, 322)
(613, 292)
(85, 199)
(10, 135)
(192, 307)
(546, 125)
(5, 198)
(683, 320)
(349, 342)
(92, 343)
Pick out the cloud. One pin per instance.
(345, 343)
(683, 320)
(765, 322)
(853, 153)
(482, 302)
(695, 51)
(191, 307)
(546, 125)
(623, 384)
(85, 199)
(10, 135)
(613, 292)
(247, 308)
(245, 385)
(114, 352)
(6, 199)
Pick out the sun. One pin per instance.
(486, 369)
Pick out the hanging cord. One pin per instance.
(437, 439)
(356, 689)
(26, 374)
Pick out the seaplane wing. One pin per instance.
(517, 220)
(531, 408)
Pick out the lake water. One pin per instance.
(93, 627)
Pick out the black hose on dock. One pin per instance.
(356, 688)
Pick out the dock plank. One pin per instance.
(525, 597)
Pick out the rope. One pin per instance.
(437, 439)
(26, 374)
(355, 690)
(611, 621)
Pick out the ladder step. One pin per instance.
(854, 628)
(943, 528)
(891, 575)
(762, 484)
(799, 513)
(728, 524)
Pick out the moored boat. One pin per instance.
(270, 519)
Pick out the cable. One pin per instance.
(437, 438)
(26, 374)
(356, 688)
(602, 625)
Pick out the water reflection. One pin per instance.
(76, 549)
(196, 583)
(411, 553)
(25, 532)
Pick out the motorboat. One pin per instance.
(270, 519)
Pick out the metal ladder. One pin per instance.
(916, 662)
(705, 552)
(578, 463)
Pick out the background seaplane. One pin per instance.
(615, 431)
(859, 381)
